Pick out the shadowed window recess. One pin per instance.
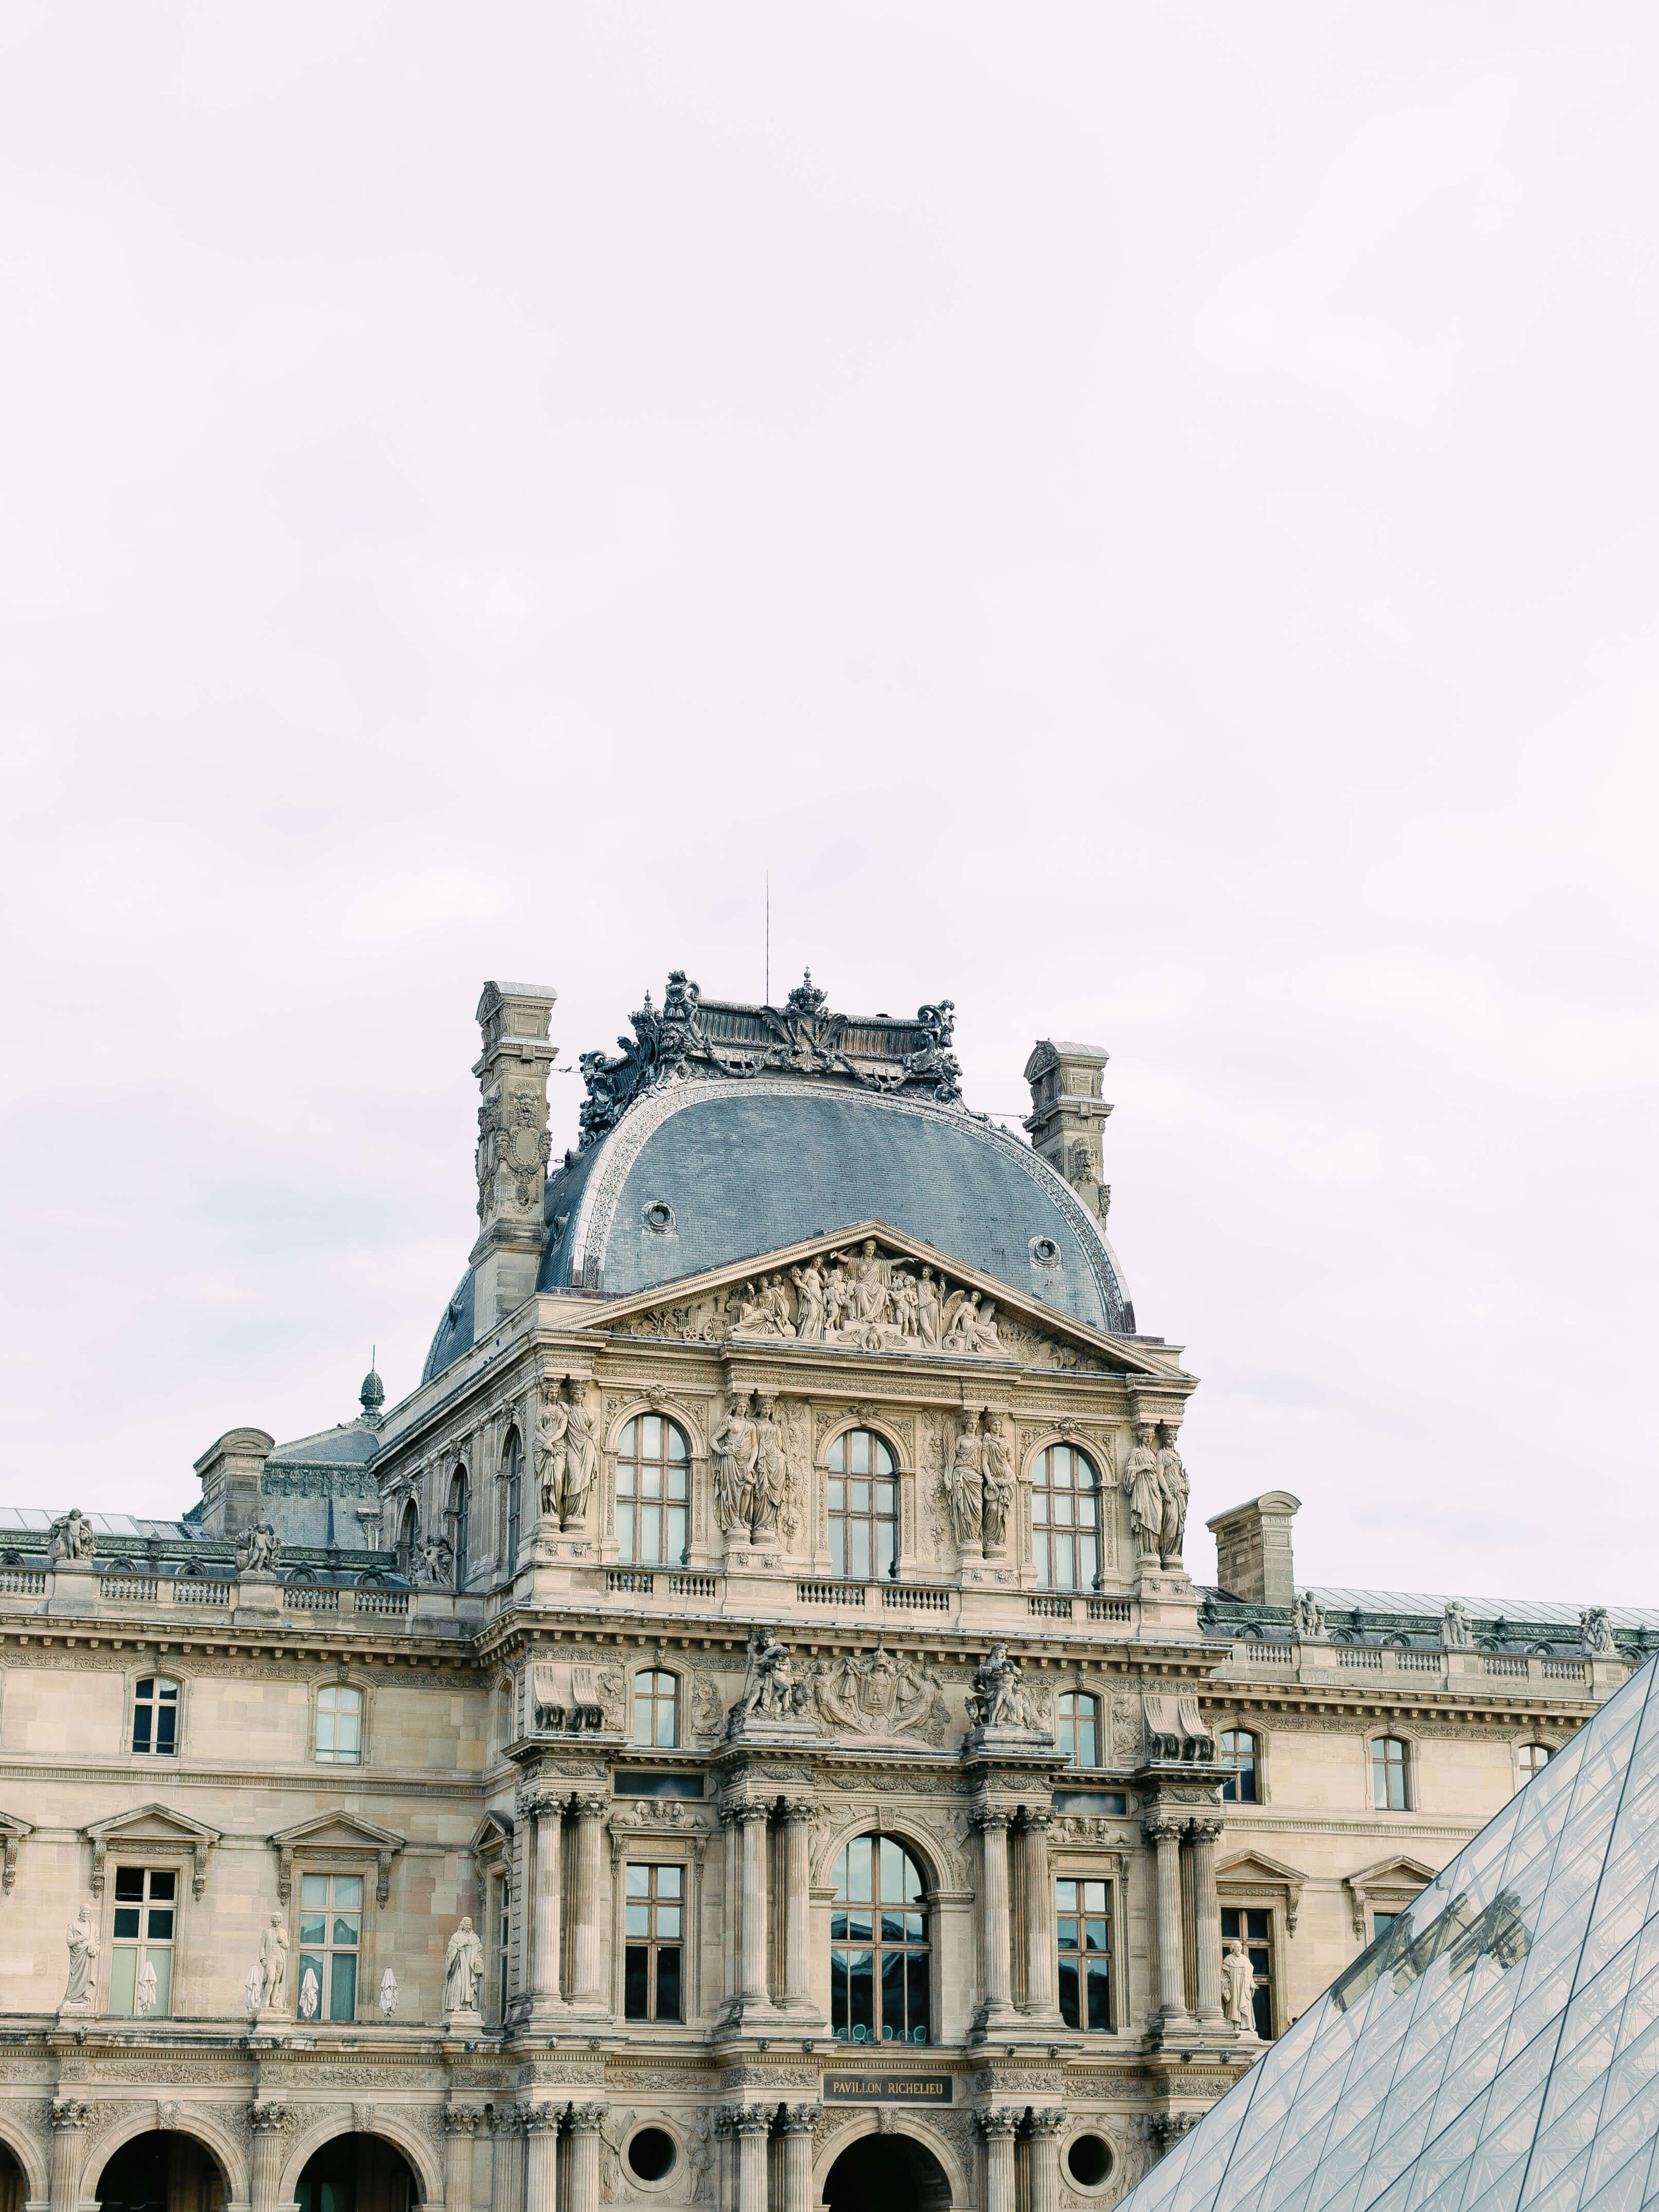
(1235, 1752)
(654, 1939)
(155, 1716)
(879, 1963)
(1084, 1933)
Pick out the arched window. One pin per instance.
(656, 1710)
(1079, 1728)
(1065, 1520)
(653, 1485)
(1235, 1751)
(863, 1508)
(155, 1716)
(460, 1514)
(878, 1966)
(513, 1488)
(1532, 1758)
(1389, 1790)
(409, 1535)
(339, 1725)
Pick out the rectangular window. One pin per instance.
(1084, 1929)
(141, 1957)
(653, 1944)
(339, 1725)
(331, 1939)
(1380, 1923)
(1255, 1930)
(1389, 1789)
(1079, 1729)
(656, 1710)
(503, 1942)
(155, 1716)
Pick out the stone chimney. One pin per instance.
(513, 1145)
(1067, 1121)
(230, 1471)
(1253, 1549)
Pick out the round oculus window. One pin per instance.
(1045, 1252)
(1089, 2161)
(660, 1217)
(651, 2154)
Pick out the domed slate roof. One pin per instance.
(726, 1132)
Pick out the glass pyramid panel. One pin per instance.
(1496, 2048)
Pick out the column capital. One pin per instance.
(752, 2120)
(461, 2120)
(588, 2119)
(269, 2116)
(69, 2112)
(989, 1818)
(1161, 1827)
(801, 1809)
(543, 2119)
(1047, 2119)
(1040, 1816)
(537, 1801)
(507, 2120)
(591, 1804)
(1207, 1827)
(1004, 2121)
(740, 1815)
(800, 2119)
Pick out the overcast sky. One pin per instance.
(1143, 519)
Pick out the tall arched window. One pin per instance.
(1065, 1520)
(460, 1514)
(1532, 1758)
(653, 1464)
(656, 1710)
(1079, 1728)
(878, 1962)
(1235, 1751)
(863, 1508)
(513, 1488)
(1389, 1793)
(409, 1535)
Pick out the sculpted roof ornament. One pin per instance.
(803, 1037)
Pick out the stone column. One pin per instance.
(751, 1983)
(547, 1888)
(69, 2121)
(1041, 2002)
(1205, 1833)
(541, 2164)
(998, 2007)
(1046, 2124)
(507, 2160)
(798, 1903)
(798, 2121)
(1163, 1829)
(587, 1989)
(271, 2122)
(753, 2129)
(585, 2122)
(460, 2124)
(731, 1916)
(998, 2129)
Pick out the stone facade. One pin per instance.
(595, 1641)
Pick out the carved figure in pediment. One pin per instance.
(771, 1477)
(868, 1295)
(734, 1447)
(1146, 1493)
(837, 1289)
(999, 1484)
(930, 1292)
(809, 1291)
(1173, 1484)
(964, 1486)
(907, 1303)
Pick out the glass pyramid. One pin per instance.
(1496, 2048)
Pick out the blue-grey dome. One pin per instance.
(701, 1173)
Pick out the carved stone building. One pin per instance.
(740, 1732)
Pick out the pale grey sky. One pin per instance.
(1143, 519)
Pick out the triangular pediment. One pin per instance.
(1256, 1866)
(150, 1824)
(341, 1831)
(11, 1825)
(1401, 1872)
(492, 1833)
(833, 1293)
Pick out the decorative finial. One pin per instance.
(372, 1396)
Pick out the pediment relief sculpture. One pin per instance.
(874, 1693)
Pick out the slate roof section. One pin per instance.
(1498, 2048)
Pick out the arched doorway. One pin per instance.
(13, 2190)
(356, 2173)
(162, 2171)
(887, 2173)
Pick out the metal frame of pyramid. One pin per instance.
(1496, 2048)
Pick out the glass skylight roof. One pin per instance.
(1496, 2049)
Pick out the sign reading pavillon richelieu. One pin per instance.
(873, 2088)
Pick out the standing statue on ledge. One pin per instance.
(734, 1446)
(1146, 1493)
(964, 1486)
(581, 1459)
(770, 1691)
(1310, 1618)
(436, 1564)
(463, 1963)
(998, 1698)
(1172, 1481)
(999, 1484)
(273, 1964)
(258, 1552)
(83, 1961)
(771, 1475)
(1456, 1633)
(551, 1448)
(70, 1537)
(1595, 1633)
(1238, 1987)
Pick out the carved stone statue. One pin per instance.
(771, 1478)
(1238, 1986)
(388, 1994)
(436, 1562)
(273, 1964)
(734, 1447)
(581, 1458)
(551, 1432)
(1595, 1633)
(930, 1292)
(999, 1488)
(1456, 1631)
(258, 1552)
(809, 1289)
(70, 1537)
(83, 1962)
(873, 1693)
(463, 1963)
(964, 1485)
(1172, 1482)
(1310, 1618)
(770, 1689)
(1146, 1493)
(998, 1698)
